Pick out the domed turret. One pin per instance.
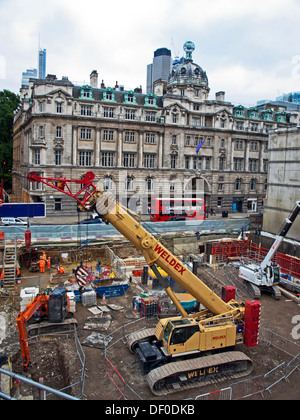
(188, 72)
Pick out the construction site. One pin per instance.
(88, 358)
(205, 310)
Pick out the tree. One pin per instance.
(8, 103)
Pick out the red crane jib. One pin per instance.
(64, 185)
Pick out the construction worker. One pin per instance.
(60, 270)
(2, 277)
(42, 264)
(49, 263)
(44, 257)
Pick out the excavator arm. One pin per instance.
(40, 303)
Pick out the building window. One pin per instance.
(196, 122)
(130, 97)
(129, 183)
(252, 185)
(85, 134)
(238, 184)
(42, 106)
(108, 183)
(238, 164)
(58, 156)
(150, 99)
(59, 132)
(149, 161)
(174, 118)
(130, 114)
(188, 141)
(86, 110)
(107, 159)
(57, 204)
(41, 131)
(129, 136)
(129, 160)
(174, 140)
(58, 107)
(253, 165)
(173, 161)
(37, 157)
(221, 163)
(86, 92)
(187, 162)
(207, 163)
(85, 158)
(109, 94)
(109, 112)
(108, 135)
(150, 116)
(265, 167)
(149, 183)
(253, 146)
(150, 138)
(239, 145)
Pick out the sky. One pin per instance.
(249, 49)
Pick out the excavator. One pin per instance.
(53, 307)
(266, 275)
(183, 351)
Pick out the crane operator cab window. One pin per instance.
(180, 331)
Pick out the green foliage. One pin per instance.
(8, 103)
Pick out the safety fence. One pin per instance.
(222, 251)
(289, 265)
(265, 382)
(84, 232)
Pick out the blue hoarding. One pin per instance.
(23, 210)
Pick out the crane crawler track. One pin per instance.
(140, 336)
(183, 375)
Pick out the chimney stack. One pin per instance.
(220, 96)
(94, 79)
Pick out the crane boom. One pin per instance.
(154, 252)
(279, 238)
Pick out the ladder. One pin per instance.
(9, 265)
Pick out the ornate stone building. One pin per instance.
(143, 145)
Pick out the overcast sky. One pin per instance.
(249, 49)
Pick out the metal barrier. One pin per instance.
(265, 382)
(67, 233)
(220, 395)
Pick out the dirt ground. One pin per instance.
(57, 362)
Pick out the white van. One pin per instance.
(12, 221)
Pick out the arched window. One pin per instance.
(108, 183)
(253, 184)
(238, 184)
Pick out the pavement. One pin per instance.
(73, 220)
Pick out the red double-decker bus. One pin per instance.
(164, 209)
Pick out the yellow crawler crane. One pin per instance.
(183, 351)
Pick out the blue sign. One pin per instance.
(23, 210)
